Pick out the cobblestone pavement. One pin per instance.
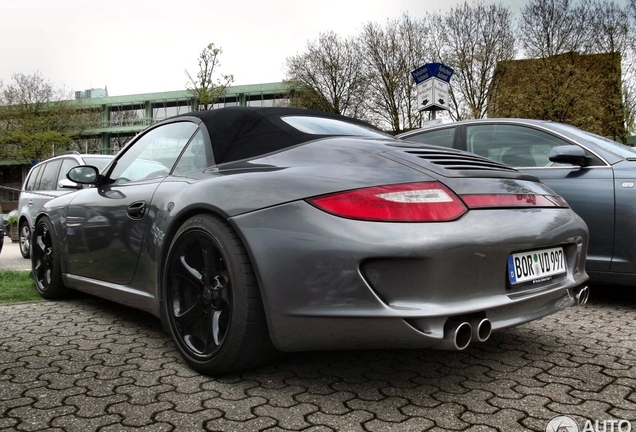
(87, 364)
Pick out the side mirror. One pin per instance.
(83, 174)
(568, 154)
(67, 184)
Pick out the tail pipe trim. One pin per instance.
(581, 295)
(459, 335)
(482, 330)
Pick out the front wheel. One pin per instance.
(25, 240)
(46, 261)
(212, 304)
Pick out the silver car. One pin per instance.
(287, 229)
(45, 181)
(595, 175)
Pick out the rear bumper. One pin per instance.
(330, 283)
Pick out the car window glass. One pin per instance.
(49, 175)
(441, 137)
(67, 164)
(606, 144)
(196, 156)
(329, 126)
(98, 162)
(153, 155)
(513, 145)
(33, 175)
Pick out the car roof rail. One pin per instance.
(70, 152)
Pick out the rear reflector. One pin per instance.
(512, 201)
(412, 202)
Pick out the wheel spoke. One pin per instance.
(216, 329)
(190, 271)
(188, 317)
(40, 244)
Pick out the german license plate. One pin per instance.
(536, 266)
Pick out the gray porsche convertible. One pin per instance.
(250, 231)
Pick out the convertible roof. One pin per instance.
(247, 132)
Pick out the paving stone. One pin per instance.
(87, 364)
(138, 415)
(413, 424)
(73, 423)
(290, 418)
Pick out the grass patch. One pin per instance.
(17, 286)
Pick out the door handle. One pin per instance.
(136, 210)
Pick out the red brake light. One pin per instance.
(412, 202)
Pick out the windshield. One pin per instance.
(617, 148)
(327, 126)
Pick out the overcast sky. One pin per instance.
(144, 46)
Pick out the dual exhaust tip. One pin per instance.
(458, 335)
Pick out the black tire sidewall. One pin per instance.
(56, 288)
(243, 283)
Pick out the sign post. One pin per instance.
(432, 80)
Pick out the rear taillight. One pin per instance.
(422, 202)
(412, 202)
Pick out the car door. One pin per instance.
(589, 190)
(106, 224)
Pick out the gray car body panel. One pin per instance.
(597, 193)
(330, 282)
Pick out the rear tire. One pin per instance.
(25, 240)
(211, 304)
(46, 261)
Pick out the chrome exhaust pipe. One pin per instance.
(481, 330)
(457, 336)
(581, 295)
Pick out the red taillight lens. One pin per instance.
(413, 202)
(512, 201)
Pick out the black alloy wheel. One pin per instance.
(211, 300)
(46, 262)
(25, 240)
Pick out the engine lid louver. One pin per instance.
(450, 162)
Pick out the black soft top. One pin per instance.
(246, 132)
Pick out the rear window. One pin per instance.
(327, 126)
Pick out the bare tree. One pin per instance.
(473, 39)
(203, 87)
(328, 76)
(390, 54)
(551, 27)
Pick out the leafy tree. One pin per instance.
(203, 87)
(36, 118)
(328, 76)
